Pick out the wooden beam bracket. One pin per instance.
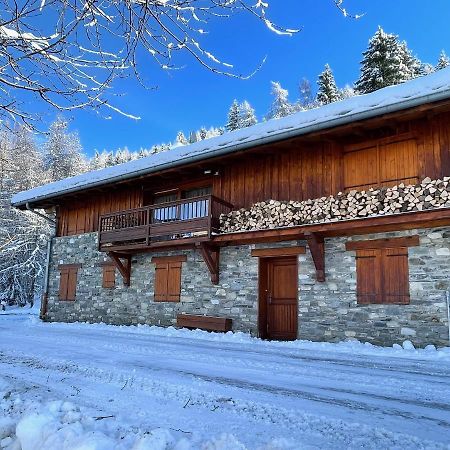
(317, 247)
(211, 257)
(124, 269)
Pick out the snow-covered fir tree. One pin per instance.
(280, 104)
(247, 116)
(62, 152)
(327, 90)
(233, 117)
(386, 62)
(443, 61)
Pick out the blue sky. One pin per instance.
(190, 98)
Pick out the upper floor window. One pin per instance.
(178, 209)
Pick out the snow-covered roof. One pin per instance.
(427, 89)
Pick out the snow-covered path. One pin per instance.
(199, 385)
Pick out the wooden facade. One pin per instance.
(383, 152)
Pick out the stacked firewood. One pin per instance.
(354, 204)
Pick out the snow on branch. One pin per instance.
(67, 53)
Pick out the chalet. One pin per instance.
(329, 224)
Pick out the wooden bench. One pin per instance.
(204, 322)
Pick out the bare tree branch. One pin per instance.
(67, 53)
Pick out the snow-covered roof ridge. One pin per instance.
(427, 89)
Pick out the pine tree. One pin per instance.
(62, 152)
(328, 91)
(280, 105)
(203, 133)
(386, 62)
(443, 62)
(247, 116)
(233, 117)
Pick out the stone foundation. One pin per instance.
(327, 311)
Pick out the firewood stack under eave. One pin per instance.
(427, 195)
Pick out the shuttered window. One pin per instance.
(68, 281)
(109, 276)
(167, 283)
(382, 273)
(381, 164)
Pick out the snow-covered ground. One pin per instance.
(99, 387)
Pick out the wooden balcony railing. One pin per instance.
(194, 218)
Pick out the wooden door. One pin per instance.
(278, 298)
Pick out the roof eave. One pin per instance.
(229, 149)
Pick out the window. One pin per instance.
(109, 276)
(197, 208)
(382, 274)
(167, 283)
(68, 281)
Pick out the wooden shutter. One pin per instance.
(368, 276)
(63, 282)
(399, 163)
(161, 279)
(167, 284)
(109, 276)
(382, 272)
(68, 281)
(395, 275)
(361, 169)
(72, 284)
(174, 282)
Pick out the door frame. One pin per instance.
(263, 278)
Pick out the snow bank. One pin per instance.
(433, 87)
(406, 350)
(33, 424)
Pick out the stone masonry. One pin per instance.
(328, 311)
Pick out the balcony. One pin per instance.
(174, 223)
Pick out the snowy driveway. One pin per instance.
(267, 395)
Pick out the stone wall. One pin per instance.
(235, 296)
(327, 311)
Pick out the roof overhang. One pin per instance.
(423, 91)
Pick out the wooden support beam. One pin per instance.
(317, 247)
(124, 269)
(211, 258)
